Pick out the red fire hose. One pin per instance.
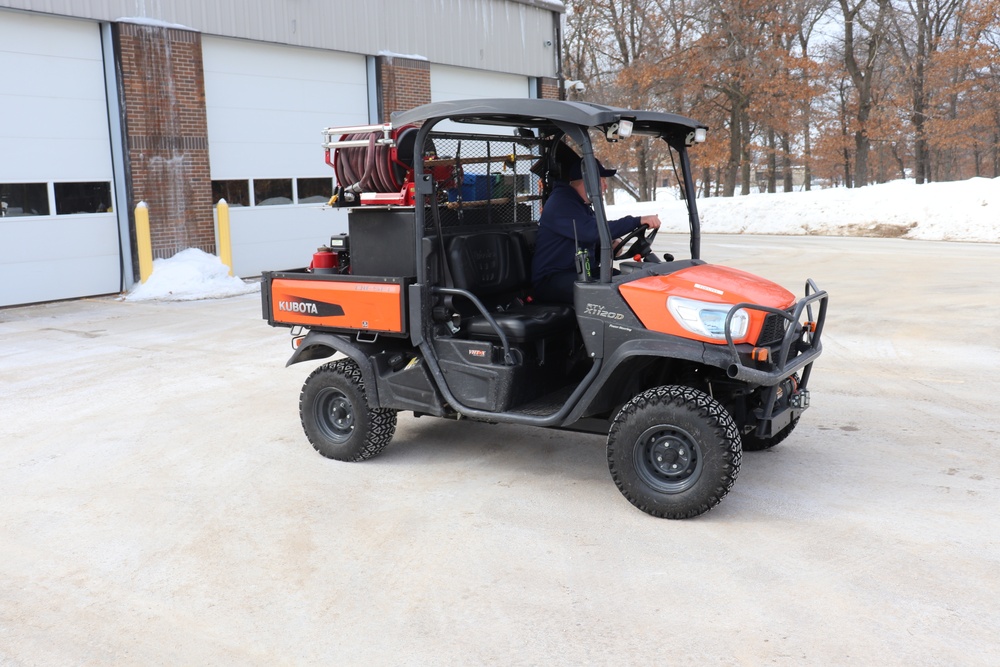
(377, 167)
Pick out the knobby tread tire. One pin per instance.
(722, 449)
(374, 428)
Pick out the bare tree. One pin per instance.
(807, 14)
(868, 43)
(918, 28)
(912, 82)
(733, 34)
(611, 45)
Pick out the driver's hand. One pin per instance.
(651, 221)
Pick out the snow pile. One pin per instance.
(187, 276)
(957, 211)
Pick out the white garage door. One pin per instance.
(267, 106)
(460, 83)
(58, 231)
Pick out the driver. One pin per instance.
(568, 221)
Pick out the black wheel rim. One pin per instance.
(668, 459)
(334, 415)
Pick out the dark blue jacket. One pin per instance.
(555, 246)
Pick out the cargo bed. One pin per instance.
(334, 302)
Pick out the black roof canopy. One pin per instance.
(544, 114)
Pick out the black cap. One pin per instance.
(574, 170)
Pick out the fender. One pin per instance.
(320, 345)
(658, 346)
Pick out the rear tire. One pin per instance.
(674, 452)
(335, 415)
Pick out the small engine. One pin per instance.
(333, 258)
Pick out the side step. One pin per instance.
(546, 405)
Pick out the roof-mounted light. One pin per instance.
(697, 136)
(620, 129)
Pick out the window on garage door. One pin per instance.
(235, 192)
(273, 191)
(92, 197)
(314, 190)
(17, 199)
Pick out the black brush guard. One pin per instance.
(800, 346)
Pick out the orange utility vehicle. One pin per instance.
(427, 304)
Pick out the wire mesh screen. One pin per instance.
(484, 180)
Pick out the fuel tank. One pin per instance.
(702, 293)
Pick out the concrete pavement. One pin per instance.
(162, 506)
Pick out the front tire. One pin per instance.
(335, 415)
(674, 452)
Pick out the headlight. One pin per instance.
(708, 319)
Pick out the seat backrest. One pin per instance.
(527, 236)
(487, 263)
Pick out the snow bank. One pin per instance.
(958, 211)
(187, 276)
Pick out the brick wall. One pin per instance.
(548, 88)
(163, 98)
(404, 83)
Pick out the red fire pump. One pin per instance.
(333, 258)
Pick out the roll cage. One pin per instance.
(554, 119)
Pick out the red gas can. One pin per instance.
(324, 261)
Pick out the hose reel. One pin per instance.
(375, 159)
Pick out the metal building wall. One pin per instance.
(514, 36)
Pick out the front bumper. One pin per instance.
(799, 348)
(782, 400)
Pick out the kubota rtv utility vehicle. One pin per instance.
(428, 301)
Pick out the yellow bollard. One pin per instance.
(225, 242)
(143, 241)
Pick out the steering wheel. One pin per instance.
(643, 245)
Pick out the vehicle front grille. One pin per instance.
(773, 330)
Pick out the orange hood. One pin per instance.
(647, 297)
